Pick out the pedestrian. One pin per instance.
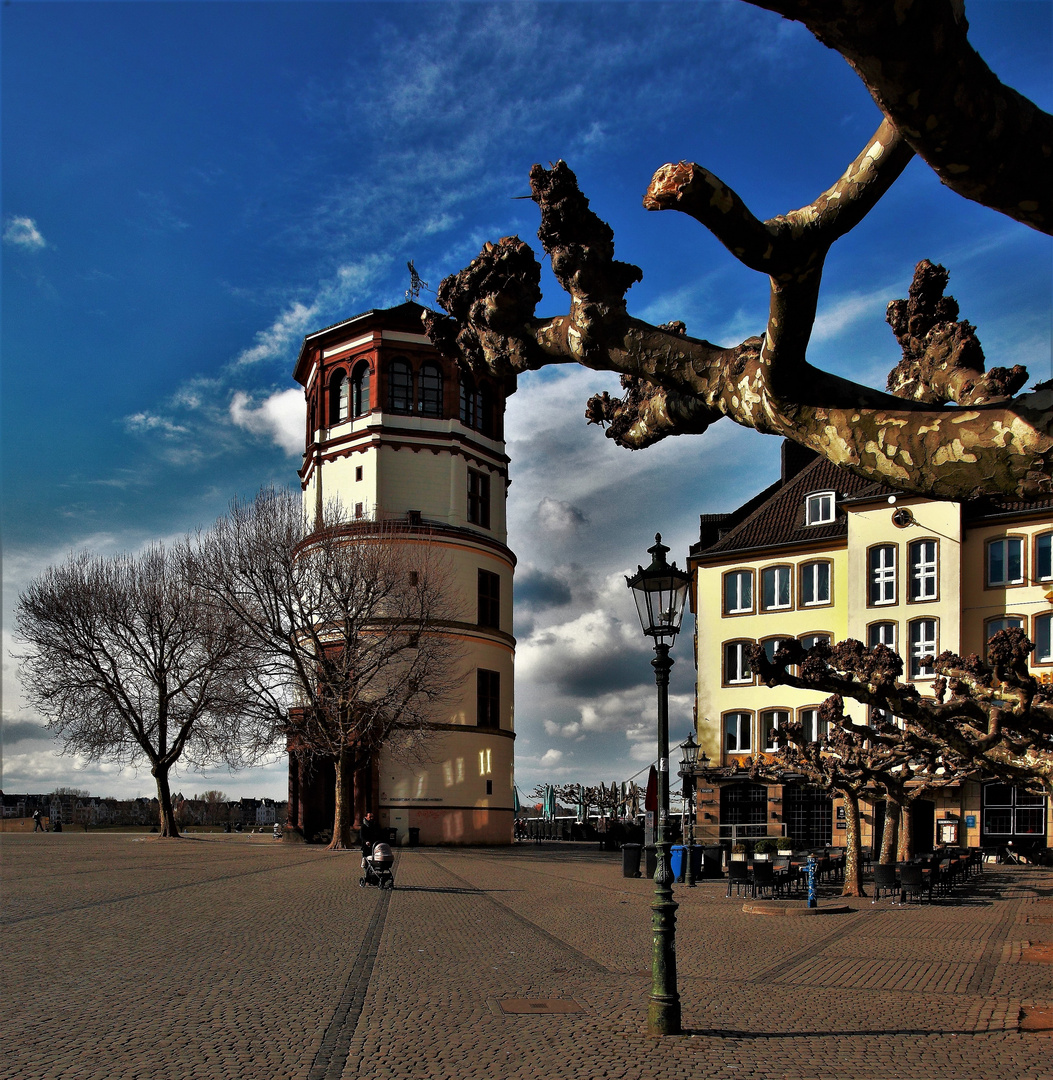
(368, 833)
(38, 822)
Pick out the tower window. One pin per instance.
(479, 498)
(489, 599)
(400, 387)
(338, 397)
(429, 384)
(488, 698)
(360, 390)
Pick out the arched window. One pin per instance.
(338, 396)
(400, 387)
(429, 388)
(360, 389)
(1043, 639)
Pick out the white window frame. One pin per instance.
(923, 648)
(808, 718)
(811, 580)
(1043, 639)
(772, 645)
(770, 721)
(882, 633)
(1005, 544)
(881, 575)
(735, 603)
(819, 508)
(736, 661)
(743, 722)
(924, 570)
(782, 571)
(1044, 557)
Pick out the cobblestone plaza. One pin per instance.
(238, 957)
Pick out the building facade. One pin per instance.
(399, 434)
(825, 554)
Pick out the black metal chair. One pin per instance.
(764, 878)
(913, 881)
(739, 876)
(886, 879)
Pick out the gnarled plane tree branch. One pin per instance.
(989, 716)
(947, 429)
(984, 140)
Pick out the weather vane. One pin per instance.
(415, 282)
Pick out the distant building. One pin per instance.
(400, 434)
(825, 554)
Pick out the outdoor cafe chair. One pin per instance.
(739, 876)
(763, 878)
(912, 882)
(886, 879)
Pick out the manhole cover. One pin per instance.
(539, 1005)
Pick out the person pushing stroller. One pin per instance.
(377, 856)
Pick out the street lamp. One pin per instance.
(689, 750)
(660, 592)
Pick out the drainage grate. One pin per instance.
(539, 1005)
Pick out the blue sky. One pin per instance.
(189, 188)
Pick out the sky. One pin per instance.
(190, 188)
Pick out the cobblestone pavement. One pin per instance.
(240, 957)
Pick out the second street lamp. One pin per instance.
(689, 750)
(660, 592)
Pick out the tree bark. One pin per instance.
(345, 767)
(983, 139)
(890, 833)
(905, 847)
(166, 814)
(853, 848)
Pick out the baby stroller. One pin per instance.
(377, 863)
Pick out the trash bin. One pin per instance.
(414, 836)
(393, 837)
(650, 860)
(676, 860)
(696, 861)
(630, 860)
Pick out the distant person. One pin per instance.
(369, 833)
(38, 822)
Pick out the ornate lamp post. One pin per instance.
(660, 592)
(689, 752)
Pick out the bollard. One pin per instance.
(810, 870)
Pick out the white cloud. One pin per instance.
(835, 317)
(143, 423)
(23, 232)
(558, 516)
(280, 417)
(550, 758)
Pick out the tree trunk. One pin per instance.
(890, 834)
(905, 850)
(853, 851)
(164, 802)
(345, 767)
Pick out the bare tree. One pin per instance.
(354, 625)
(131, 664)
(946, 429)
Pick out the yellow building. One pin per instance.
(823, 553)
(398, 434)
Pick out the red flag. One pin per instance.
(651, 798)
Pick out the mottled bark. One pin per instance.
(983, 139)
(905, 842)
(853, 885)
(675, 384)
(890, 832)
